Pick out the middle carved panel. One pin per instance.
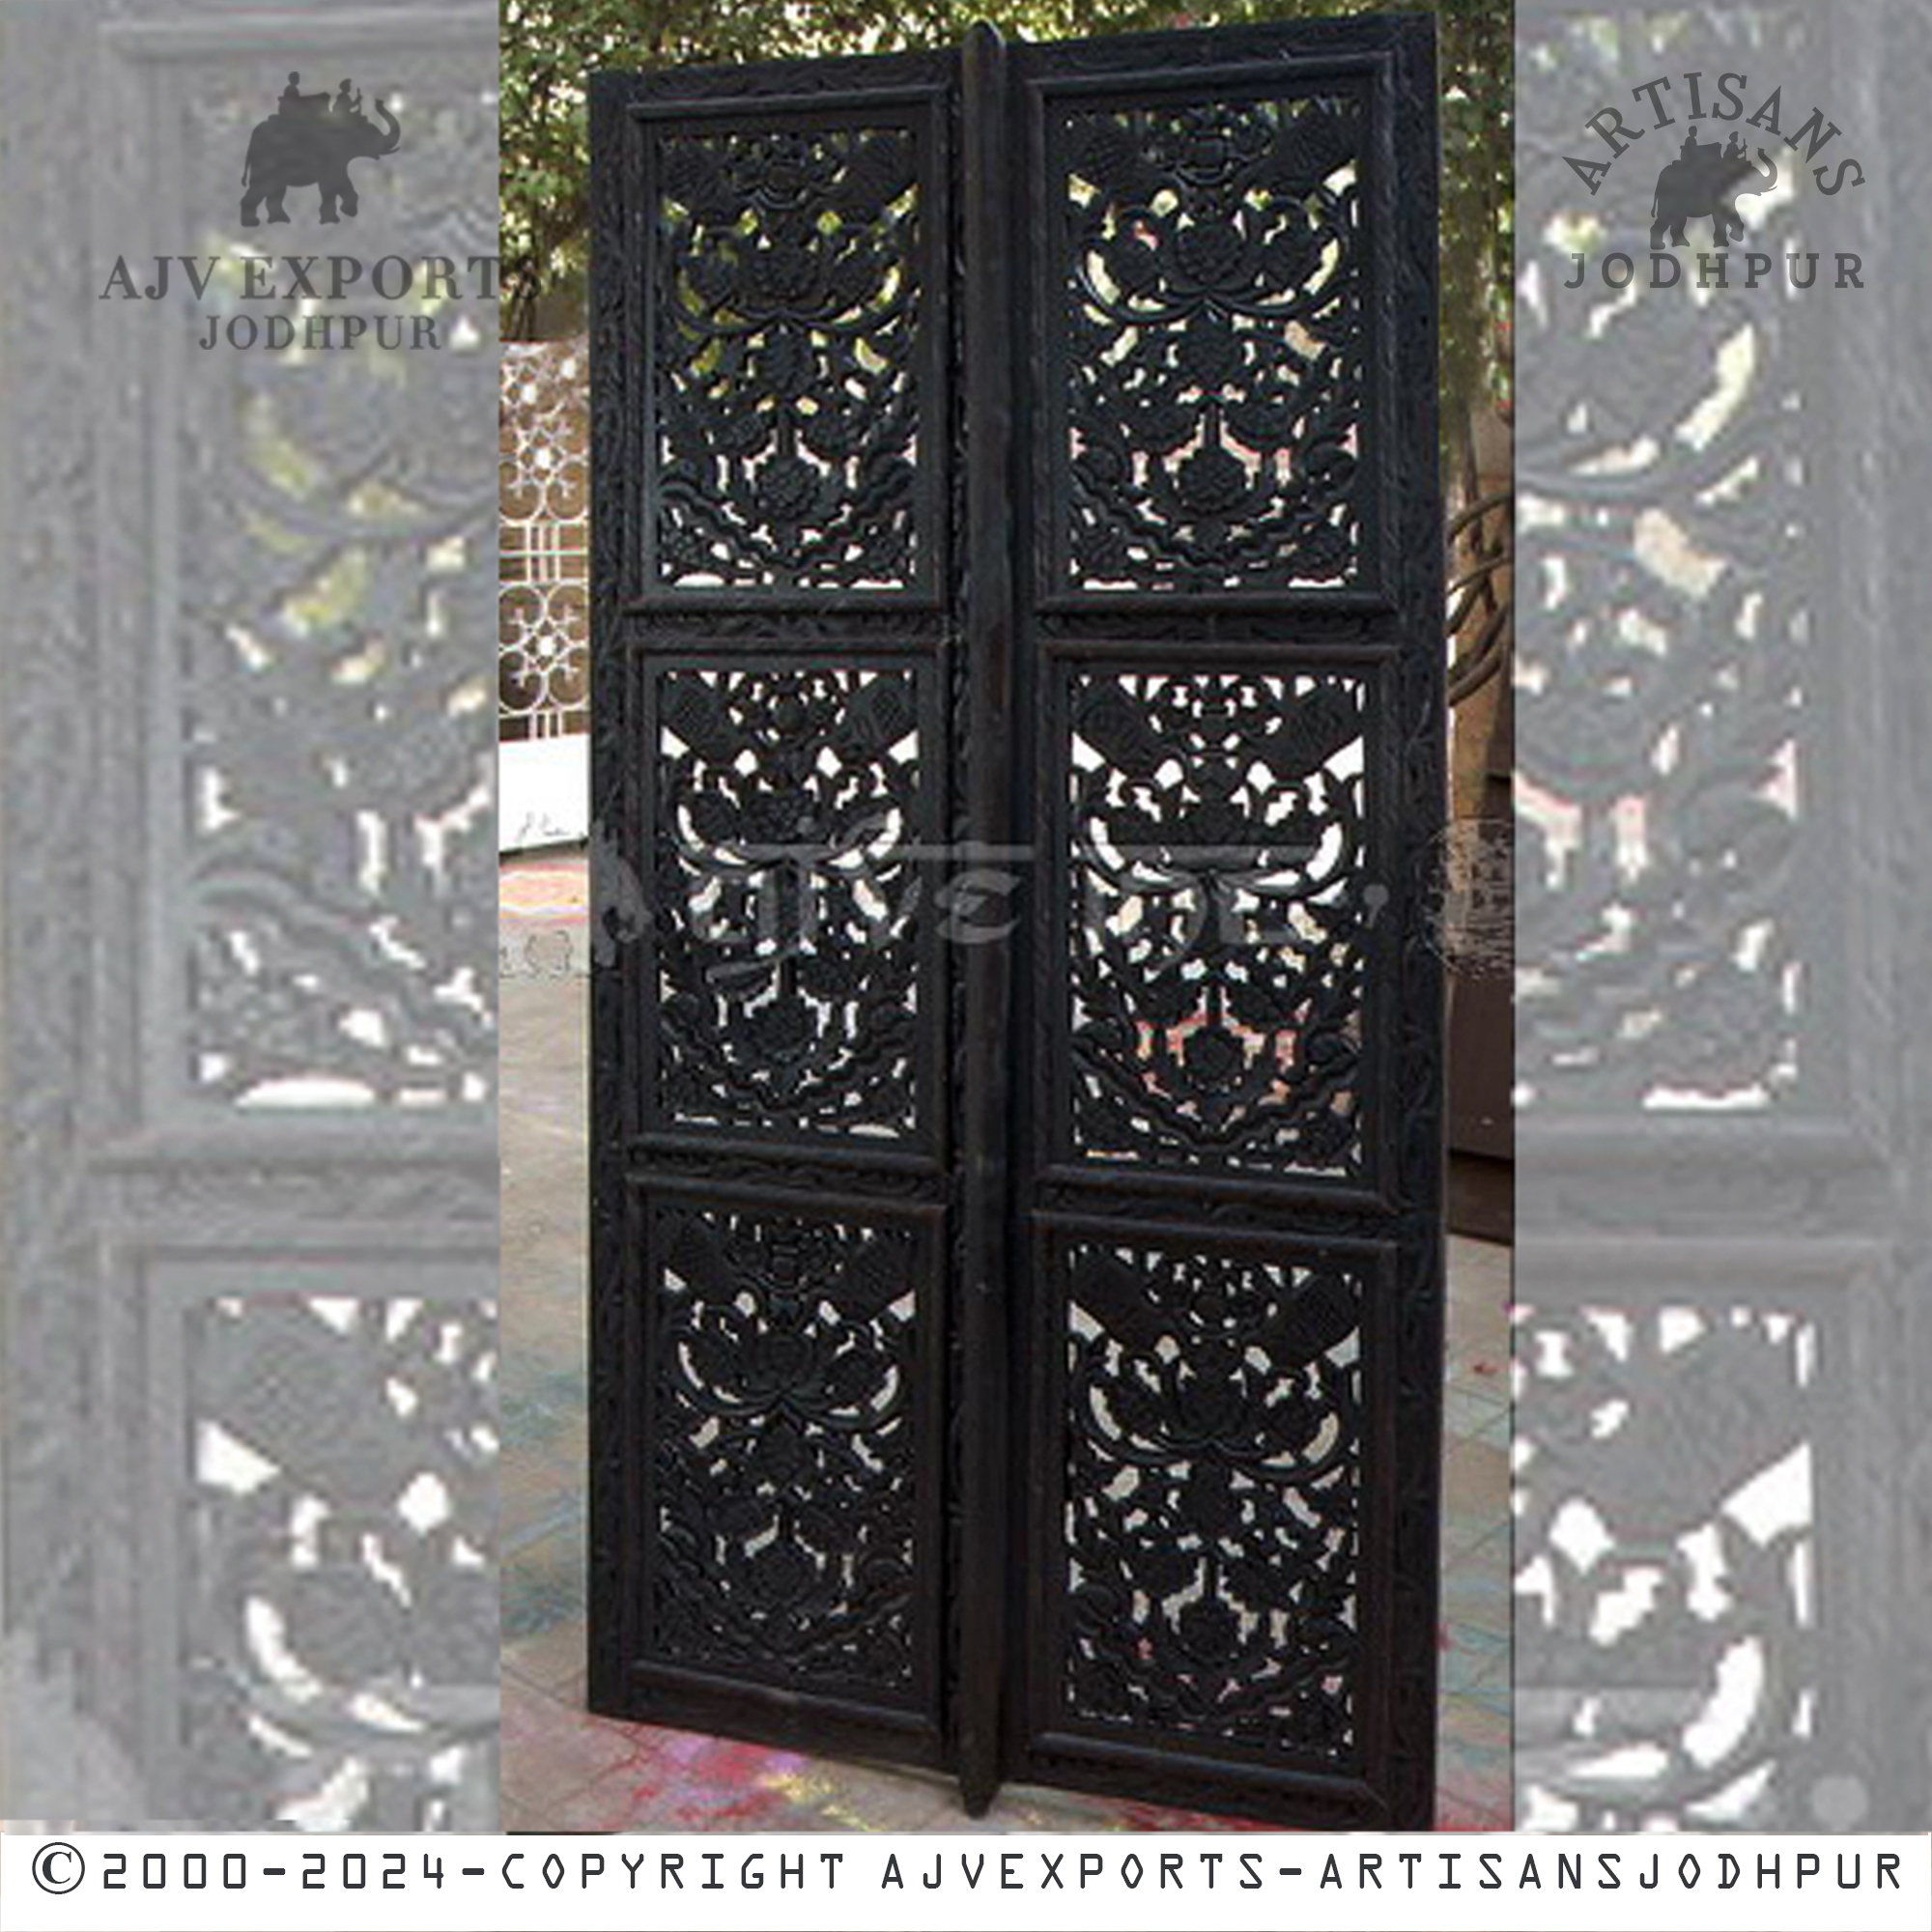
(791, 803)
(1220, 907)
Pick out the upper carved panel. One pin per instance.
(1676, 872)
(332, 534)
(1207, 411)
(337, 768)
(789, 299)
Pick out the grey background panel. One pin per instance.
(250, 1205)
(1723, 1353)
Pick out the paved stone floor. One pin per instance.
(564, 1770)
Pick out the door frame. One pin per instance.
(1004, 1198)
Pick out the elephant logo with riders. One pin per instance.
(309, 142)
(1715, 154)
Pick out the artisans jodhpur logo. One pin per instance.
(308, 144)
(1712, 155)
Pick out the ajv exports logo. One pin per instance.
(1704, 175)
(309, 143)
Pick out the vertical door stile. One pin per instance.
(987, 638)
(613, 1084)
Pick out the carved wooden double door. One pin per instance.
(1017, 730)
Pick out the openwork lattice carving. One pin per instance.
(1665, 684)
(543, 608)
(785, 1469)
(1220, 919)
(787, 905)
(1717, 784)
(789, 296)
(338, 792)
(249, 869)
(1210, 409)
(1665, 1577)
(1213, 1495)
(341, 1626)
(1025, 531)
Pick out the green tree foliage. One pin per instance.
(549, 46)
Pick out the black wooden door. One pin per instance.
(1017, 721)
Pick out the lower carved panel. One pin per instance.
(1212, 1496)
(1666, 1627)
(339, 1649)
(788, 1488)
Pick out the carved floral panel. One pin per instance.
(789, 803)
(1669, 692)
(1207, 413)
(340, 1644)
(1667, 1570)
(1214, 1490)
(785, 1456)
(335, 552)
(789, 302)
(1220, 913)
